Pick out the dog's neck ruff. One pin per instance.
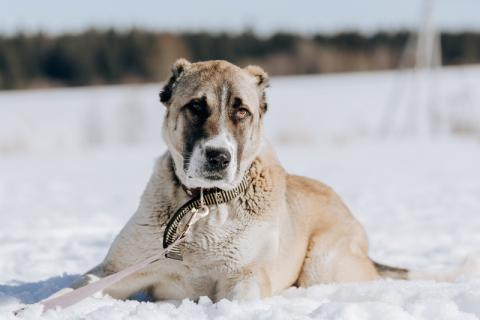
(211, 197)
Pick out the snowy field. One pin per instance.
(74, 162)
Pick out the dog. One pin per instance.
(278, 231)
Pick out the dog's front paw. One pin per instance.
(245, 290)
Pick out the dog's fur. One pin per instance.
(284, 230)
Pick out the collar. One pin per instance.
(210, 197)
(193, 192)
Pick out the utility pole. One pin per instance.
(412, 106)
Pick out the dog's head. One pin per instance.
(213, 123)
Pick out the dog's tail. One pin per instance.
(470, 267)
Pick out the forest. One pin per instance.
(95, 57)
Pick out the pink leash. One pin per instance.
(70, 298)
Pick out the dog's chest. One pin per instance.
(218, 245)
(221, 241)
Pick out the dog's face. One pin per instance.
(213, 123)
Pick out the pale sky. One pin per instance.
(306, 16)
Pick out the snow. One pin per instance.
(74, 162)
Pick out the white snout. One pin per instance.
(196, 174)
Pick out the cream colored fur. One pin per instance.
(284, 230)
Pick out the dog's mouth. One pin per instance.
(208, 178)
(214, 176)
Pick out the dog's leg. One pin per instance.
(335, 256)
(121, 290)
(245, 285)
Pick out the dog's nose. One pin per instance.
(217, 158)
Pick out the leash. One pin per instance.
(70, 298)
(197, 207)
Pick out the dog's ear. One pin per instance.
(260, 74)
(262, 82)
(178, 69)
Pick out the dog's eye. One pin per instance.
(237, 102)
(241, 113)
(195, 107)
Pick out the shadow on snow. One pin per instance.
(31, 292)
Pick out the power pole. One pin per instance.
(412, 106)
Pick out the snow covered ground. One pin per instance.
(73, 163)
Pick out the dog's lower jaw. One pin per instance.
(195, 180)
(205, 180)
(231, 182)
(198, 177)
(193, 183)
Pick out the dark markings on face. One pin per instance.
(166, 93)
(196, 113)
(263, 104)
(176, 121)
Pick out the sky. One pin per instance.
(267, 16)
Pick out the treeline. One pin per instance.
(107, 57)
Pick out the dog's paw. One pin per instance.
(246, 290)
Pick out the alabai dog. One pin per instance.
(267, 230)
